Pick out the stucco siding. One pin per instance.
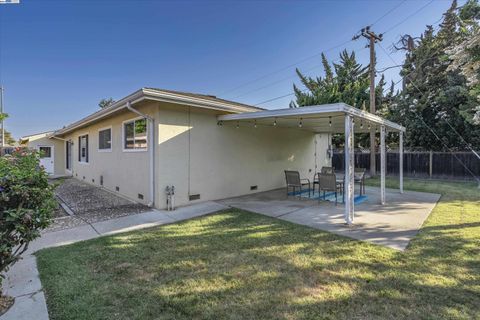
(127, 170)
(199, 157)
(58, 151)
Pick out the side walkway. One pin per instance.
(23, 282)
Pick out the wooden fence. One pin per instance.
(423, 164)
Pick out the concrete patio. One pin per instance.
(393, 224)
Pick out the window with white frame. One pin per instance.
(105, 139)
(83, 148)
(135, 134)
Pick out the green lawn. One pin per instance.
(240, 265)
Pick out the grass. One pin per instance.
(240, 265)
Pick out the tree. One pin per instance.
(347, 82)
(9, 140)
(435, 101)
(105, 103)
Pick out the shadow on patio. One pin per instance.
(393, 224)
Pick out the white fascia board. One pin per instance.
(135, 97)
(372, 118)
(284, 113)
(199, 102)
(312, 110)
(143, 94)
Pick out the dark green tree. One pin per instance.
(105, 103)
(435, 99)
(347, 81)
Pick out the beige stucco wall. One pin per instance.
(127, 170)
(199, 157)
(41, 140)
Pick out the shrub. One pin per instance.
(26, 204)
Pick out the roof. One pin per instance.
(326, 118)
(36, 135)
(207, 97)
(171, 96)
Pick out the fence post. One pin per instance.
(430, 167)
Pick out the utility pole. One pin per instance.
(373, 38)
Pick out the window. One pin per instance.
(68, 154)
(105, 139)
(83, 148)
(45, 152)
(135, 135)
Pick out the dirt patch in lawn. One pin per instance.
(5, 303)
(89, 204)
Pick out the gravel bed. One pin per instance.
(90, 204)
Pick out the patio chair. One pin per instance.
(359, 177)
(294, 181)
(327, 170)
(315, 176)
(328, 182)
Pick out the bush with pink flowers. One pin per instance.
(27, 202)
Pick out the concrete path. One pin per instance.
(393, 224)
(23, 282)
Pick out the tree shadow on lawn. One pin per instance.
(240, 265)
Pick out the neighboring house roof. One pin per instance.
(154, 94)
(25, 139)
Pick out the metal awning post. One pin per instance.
(349, 170)
(383, 160)
(400, 154)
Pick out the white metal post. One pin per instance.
(349, 170)
(382, 164)
(400, 154)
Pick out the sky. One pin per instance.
(58, 59)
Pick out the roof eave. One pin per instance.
(154, 95)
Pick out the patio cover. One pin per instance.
(330, 118)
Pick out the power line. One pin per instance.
(285, 67)
(446, 120)
(283, 79)
(408, 17)
(388, 12)
(306, 58)
(389, 29)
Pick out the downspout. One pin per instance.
(151, 150)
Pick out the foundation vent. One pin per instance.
(83, 177)
(194, 197)
(117, 188)
(253, 188)
(93, 180)
(101, 180)
(140, 196)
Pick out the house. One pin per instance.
(207, 148)
(156, 138)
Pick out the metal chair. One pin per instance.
(329, 170)
(316, 178)
(359, 177)
(328, 182)
(294, 181)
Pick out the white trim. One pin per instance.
(339, 108)
(383, 159)
(156, 95)
(400, 154)
(111, 139)
(349, 178)
(123, 136)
